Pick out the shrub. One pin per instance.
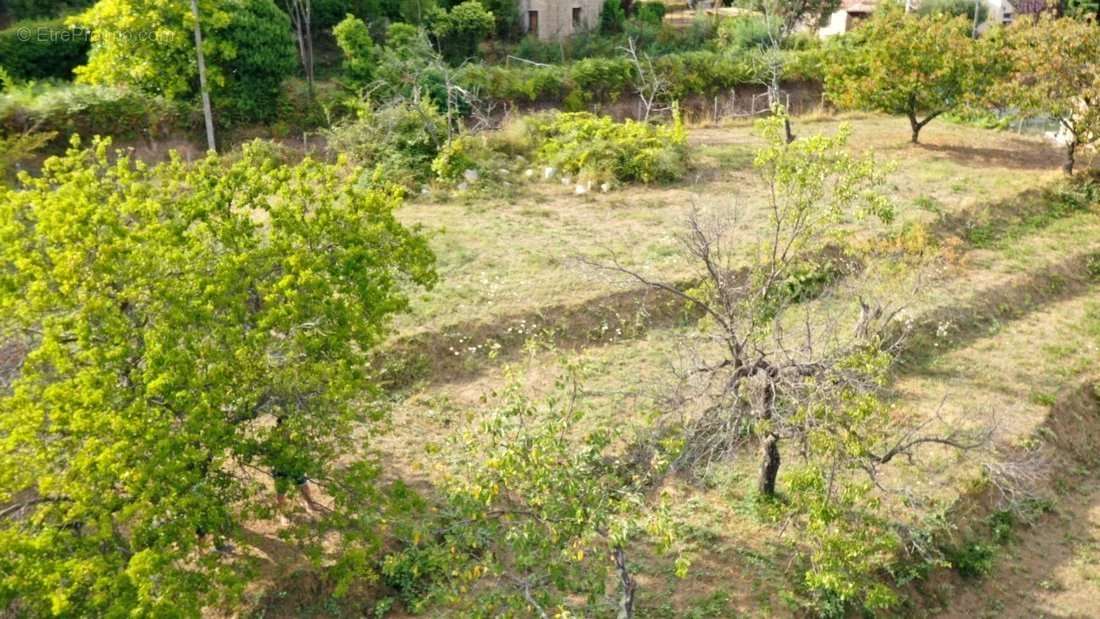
(89, 110)
(459, 31)
(38, 9)
(972, 560)
(599, 149)
(263, 56)
(612, 17)
(651, 12)
(743, 33)
(354, 40)
(602, 79)
(396, 144)
(53, 49)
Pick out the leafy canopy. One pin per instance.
(149, 44)
(1054, 72)
(903, 63)
(194, 336)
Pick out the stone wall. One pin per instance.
(559, 18)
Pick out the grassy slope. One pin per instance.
(974, 183)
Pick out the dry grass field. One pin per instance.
(1006, 323)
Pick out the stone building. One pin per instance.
(556, 19)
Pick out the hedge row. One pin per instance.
(90, 110)
(605, 80)
(42, 49)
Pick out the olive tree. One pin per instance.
(197, 341)
(921, 66)
(1054, 73)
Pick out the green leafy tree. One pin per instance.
(353, 38)
(546, 515)
(149, 44)
(1054, 73)
(459, 31)
(955, 8)
(903, 63)
(197, 341)
(259, 55)
(612, 17)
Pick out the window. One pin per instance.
(576, 17)
(533, 22)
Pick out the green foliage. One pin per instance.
(262, 56)
(598, 148)
(31, 50)
(88, 110)
(460, 30)
(354, 40)
(17, 148)
(395, 143)
(904, 63)
(955, 8)
(744, 33)
(409, 67)
(149, 45)
(541, 511)
(506, 16)
(194, 334)
(848, 544)
(601, 79)
(465, 152)
(1065, 86)
(650, 12)
(40, 9)
(612, 17)
(973, 559)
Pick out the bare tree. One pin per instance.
(301, 18)
(650, 84)
(768, 366)
(782, 19)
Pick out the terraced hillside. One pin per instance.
(999, 274)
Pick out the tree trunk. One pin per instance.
(627, 586)
(769, 464)
(1071, 157)
(915, 126)
(207, 113)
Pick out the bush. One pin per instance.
(354, 40)
(651, 12)
(602, 79)
(396, 144)
(597, 148)
(954, 8)
(612, 17)
(743, 33)
(459, 31)
(52, 51)
(251, 51)
(89, 110)
(38, 9)
(263, 57)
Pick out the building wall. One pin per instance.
(555, 17)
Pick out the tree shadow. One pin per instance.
(1019, 154)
